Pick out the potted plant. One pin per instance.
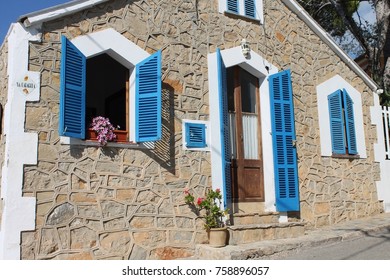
(104, 130)
(209, 208)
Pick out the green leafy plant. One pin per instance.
(209, 208)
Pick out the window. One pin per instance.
(243, 112)
(248, 8)
(109, 99)
(99, 85)
(195, 135)
(342, 123)
(334, 86)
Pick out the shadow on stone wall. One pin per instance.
(164, 150)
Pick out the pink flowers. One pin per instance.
(104, 129)
(199, 200)
(210, 207)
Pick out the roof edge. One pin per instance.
(57, 11)
(317, 29)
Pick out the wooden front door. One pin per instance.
(245, 135)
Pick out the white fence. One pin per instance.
(386, 129)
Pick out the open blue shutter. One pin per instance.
(224, 124)
(195, 135)
(232, 6)
(148, 99)
(250, 8)
(72, 91)
(283, 137)
(336, 122)
(350, 123)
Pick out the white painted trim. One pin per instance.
(257, 66)
(57, 11)
(207, 132)
(383, 185)
(323, 90)
(283, 217)
(20, 148)
(64, 140)
(327, 39)
(122, 50)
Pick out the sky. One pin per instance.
(366, 12)
(11, 10)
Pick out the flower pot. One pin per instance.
(218, 237)
(91, 134)
(121, 135)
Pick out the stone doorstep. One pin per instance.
(255, 218)
(244, 234)
(246, 241)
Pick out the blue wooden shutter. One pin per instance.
(283, 136)
(148, 99)
(349, 123)
(250, 8)
(72, 91)
(336, 122)
(232, 6)
(195, 135)
(224, 124)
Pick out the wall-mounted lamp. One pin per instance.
(379, 91)
(245, 48)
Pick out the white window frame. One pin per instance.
(125, 52)
(260, 68)
(222, 7)
(323, 91)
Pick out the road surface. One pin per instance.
(373, 246)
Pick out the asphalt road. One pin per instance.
(373, 246)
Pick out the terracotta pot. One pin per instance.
(218, 237)
(121, 135)
(91, 134)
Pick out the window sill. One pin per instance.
(239, 16)
(345, 156)
(91, 143)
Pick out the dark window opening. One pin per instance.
(107, 91)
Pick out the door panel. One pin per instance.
(244, 116)
(224, 122)
(283, 135)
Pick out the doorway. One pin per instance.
(245, 136)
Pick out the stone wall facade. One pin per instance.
(3, 101)
(126, 203)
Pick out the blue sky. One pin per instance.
(11, 10)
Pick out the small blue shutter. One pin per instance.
(336, 122)
(72, 91)
(195, 135)
(148, 99)
(232, 6)
(350, 123)
(283, 135)
(250, 8)
(224, 124)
